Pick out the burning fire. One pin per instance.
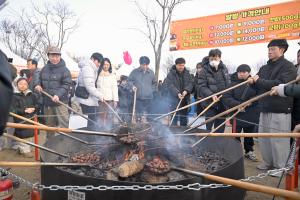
(134, 155)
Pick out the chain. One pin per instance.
(263, 175)
(193, 186)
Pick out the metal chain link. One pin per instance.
(193, 186)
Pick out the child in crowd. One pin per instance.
(24, 104)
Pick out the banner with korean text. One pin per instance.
(237, 28)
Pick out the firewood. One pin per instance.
(130, 168)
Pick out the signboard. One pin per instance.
(237, 28)
(76, 195)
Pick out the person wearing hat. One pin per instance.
(247, 119)
(275, 112)
(145, 84)
(24, 103)
(55, 79)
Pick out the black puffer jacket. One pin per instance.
(238, 96)
(55, 80)
(211, 81)
(273, 74)
(21, 101)
(176, 82)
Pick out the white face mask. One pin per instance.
(214, 63)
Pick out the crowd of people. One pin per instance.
(97, 87)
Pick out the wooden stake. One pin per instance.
(69, 108)
(263, 135)
(217, 128)
(133, 108)
(204, 99)
(244, 104)
(38, 164)
(113, 111)
(175, 112)
(204, 111)
(245, 185)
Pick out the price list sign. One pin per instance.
(237, 28)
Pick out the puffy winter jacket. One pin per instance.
(273, 74)
(211, 81)
(177, 83)
(144, 81)
(87, 78)
(238, 96)
(55, 80)
(21, 101)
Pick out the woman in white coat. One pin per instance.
(107, 85)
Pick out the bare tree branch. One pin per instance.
(34, 30)
(158, 27)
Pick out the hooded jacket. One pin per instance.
(270, 75)
(87, 78)
(55, 80)
(238, 96)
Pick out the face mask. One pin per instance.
(214, 63)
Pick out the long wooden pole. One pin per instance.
(217, 128)
(113, 111)
(244, 104)
(133, 107)
(57, 129)
(39, 124)
(38, 164)
(204, 99)
(245, 185)
(34, 145)
(204, 111)
(69, 108)
(263, 135)
(175, 112)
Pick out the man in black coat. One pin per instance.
(213, 78)
(275, 112)
(55, 79)
(180, 85)
(291, 91)
(247, 119)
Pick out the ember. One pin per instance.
(92, 158)
(129, 139)
(158, 166)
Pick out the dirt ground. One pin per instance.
(33, 175)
